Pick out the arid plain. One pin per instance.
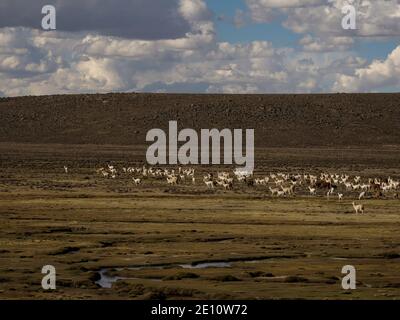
(111, 239)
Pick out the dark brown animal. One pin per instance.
(375, 187)
(325, 185)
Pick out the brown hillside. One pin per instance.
(278, 120)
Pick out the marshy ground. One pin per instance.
(186, 242)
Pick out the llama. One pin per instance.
(280, 193)
(328, 194)
(172, 180)
(105, 174)
(209, 184)
(288, 190)
(348, 186)
(274, 191)
(227, 186)
(313, 191)
(220, 183)
(358, 207)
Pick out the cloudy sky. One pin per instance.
(207, 46)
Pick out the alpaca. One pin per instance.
(358, 207)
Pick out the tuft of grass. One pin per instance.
(257, 274)
(391, 255)
(65, 250)
(183, 275)
(295, 279)
(226, 278)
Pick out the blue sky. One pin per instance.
(201, 46)
(227, 31)
(376, 49)
(279, 35)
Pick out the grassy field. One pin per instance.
(187, 242)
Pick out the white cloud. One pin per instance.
(375, 76)
(324, 17)
(327, 44)
(263, 4)
(34, 62)
(55, 63)
(194, 10)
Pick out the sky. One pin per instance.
(200, 46)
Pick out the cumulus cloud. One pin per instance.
(66, 63)
(310, 43)
(37, 62)
(375, 76)
(323, 17)
(34, 62)
(240, 18)
(263, 4)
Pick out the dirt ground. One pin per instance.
(186, 242)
